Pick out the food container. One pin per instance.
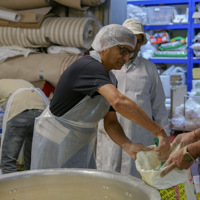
(74, 184)
(160, 14)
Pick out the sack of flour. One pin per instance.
(173, 186)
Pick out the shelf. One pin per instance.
(190, 28)
(168, 26)
(156, 2)
(169, 60)
(196, 26)
(195, 60)
(181, 129)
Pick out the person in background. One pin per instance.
(22, 103)
(65, 134)
(139, 80)
(190, 151)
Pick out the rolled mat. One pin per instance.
(92, 2)
(37, 67)
(71, 32)
(30, 4)
(65, 31)
(29, 18)
(23, 4)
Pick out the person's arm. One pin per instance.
(116, 133)
(186, 138)
(192, 141)
(130, 110)
(178, 160)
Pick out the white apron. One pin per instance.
(141, 83)
(8, 105)
(68, 141)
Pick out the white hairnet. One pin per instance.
(112, 35)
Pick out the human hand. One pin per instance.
(133, 148)
(183, 139)
(163, 151)
(176, 160)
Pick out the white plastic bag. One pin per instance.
(147, 161)
(147, 50)
(137, 12)
(176, 180)
(195, 46)
(190, 117)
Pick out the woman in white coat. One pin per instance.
(139, 80)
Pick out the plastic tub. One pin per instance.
(160, 14)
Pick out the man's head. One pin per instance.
(115, 45)
(137, 28)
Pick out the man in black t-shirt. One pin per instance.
(82, 78)
(83, 96)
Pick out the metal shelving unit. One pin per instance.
(168, 60)
(190, 27)
(156, 2)
(170, 26)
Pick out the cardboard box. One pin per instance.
(171, 81)
(175, 80)
(196, 73)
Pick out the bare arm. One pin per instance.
(177, 159)
(130, 110)
(185, 139)
(116, 133)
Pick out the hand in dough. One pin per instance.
(133, 148)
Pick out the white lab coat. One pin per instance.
(141, 83)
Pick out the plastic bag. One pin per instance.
(195, 46)
(197, 186)
(197, 38)
(197, 53)
(169, 46)
(174, 185)
(170, 54)
(136, 12)
(190, 118)
(147, 50)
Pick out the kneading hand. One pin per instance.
(133, 148)
(183, 139)
(163, 151)
(176, 160)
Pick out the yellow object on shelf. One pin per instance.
(196, 73)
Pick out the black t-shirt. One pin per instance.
(81, 78)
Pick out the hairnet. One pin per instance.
(136, 27)
(112, 35)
